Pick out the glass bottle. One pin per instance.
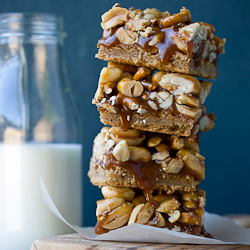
(39, 131)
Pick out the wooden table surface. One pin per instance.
(75, 242)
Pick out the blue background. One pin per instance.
(226, 147)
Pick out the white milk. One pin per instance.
(24, 216)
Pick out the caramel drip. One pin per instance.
(99, 229)
(174, 108)
(123, 111)
(167, 47)
(145, 174)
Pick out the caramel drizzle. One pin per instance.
(145, 174)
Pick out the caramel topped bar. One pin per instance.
(181, 211)
(158, 40)
(138, 97)
(146, 160)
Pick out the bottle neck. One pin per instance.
(31, 28)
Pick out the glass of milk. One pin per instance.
(39, 131)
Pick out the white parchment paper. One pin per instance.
(223, 229)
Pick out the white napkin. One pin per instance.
(223, 230)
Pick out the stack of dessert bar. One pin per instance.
(147, 163)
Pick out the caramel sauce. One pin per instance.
(123, 111)
(174, 108)
(99, 229)
(145, 174)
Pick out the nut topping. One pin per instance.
(139, 154)
(193, 112)
(188, 100)
(138, 25)
(192, 162)
(160, 156)
(154, 141)
(107, 205)
(141, 214)
(113, 17)
(118, 217)
(127, 194)
(180, 84)
(176, 142)
(174, 216)
(127, 36)
(109, 75)
(173, 166)
(168, 206)
(121, 151)
(189, 32)
(157, 220)
(131, 88)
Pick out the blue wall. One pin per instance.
(226, 147)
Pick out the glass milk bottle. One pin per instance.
(39, 131)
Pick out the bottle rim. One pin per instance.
(21, 24)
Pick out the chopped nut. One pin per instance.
(180, 84)
(113, 17)
(205, 90)
(141, 111)
(127, 36)
(192, 162)
(127, 194)
(206, 124)
(110, 143)
(108, 107)
(154, 141)
(160, 156)
(188, 100)
(149, 16)
(138, 25)
(141, 214)
(189, 196)
(118, 217)
(166, 103)
(168, 206)
(174, 216)
(152, 95)
(162, 146)
(152, 105)
(125, 75)
(165, 197)
(105, 206)
(109, 75)
(139, 154)
(189, 32)
(193, 146)
(124, 67)
(174, 166)
(199, 157)
(156, 39)
(121, 151)
(130, 141)
(139, 199)
(190, 218)
(153, 11)
(130, 133)
(176, 142)
(131, 88)
(157, 220)
(142, 73)
(190, 204)
(193, 112)
(158, 75)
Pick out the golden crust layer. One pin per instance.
(178, 62)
